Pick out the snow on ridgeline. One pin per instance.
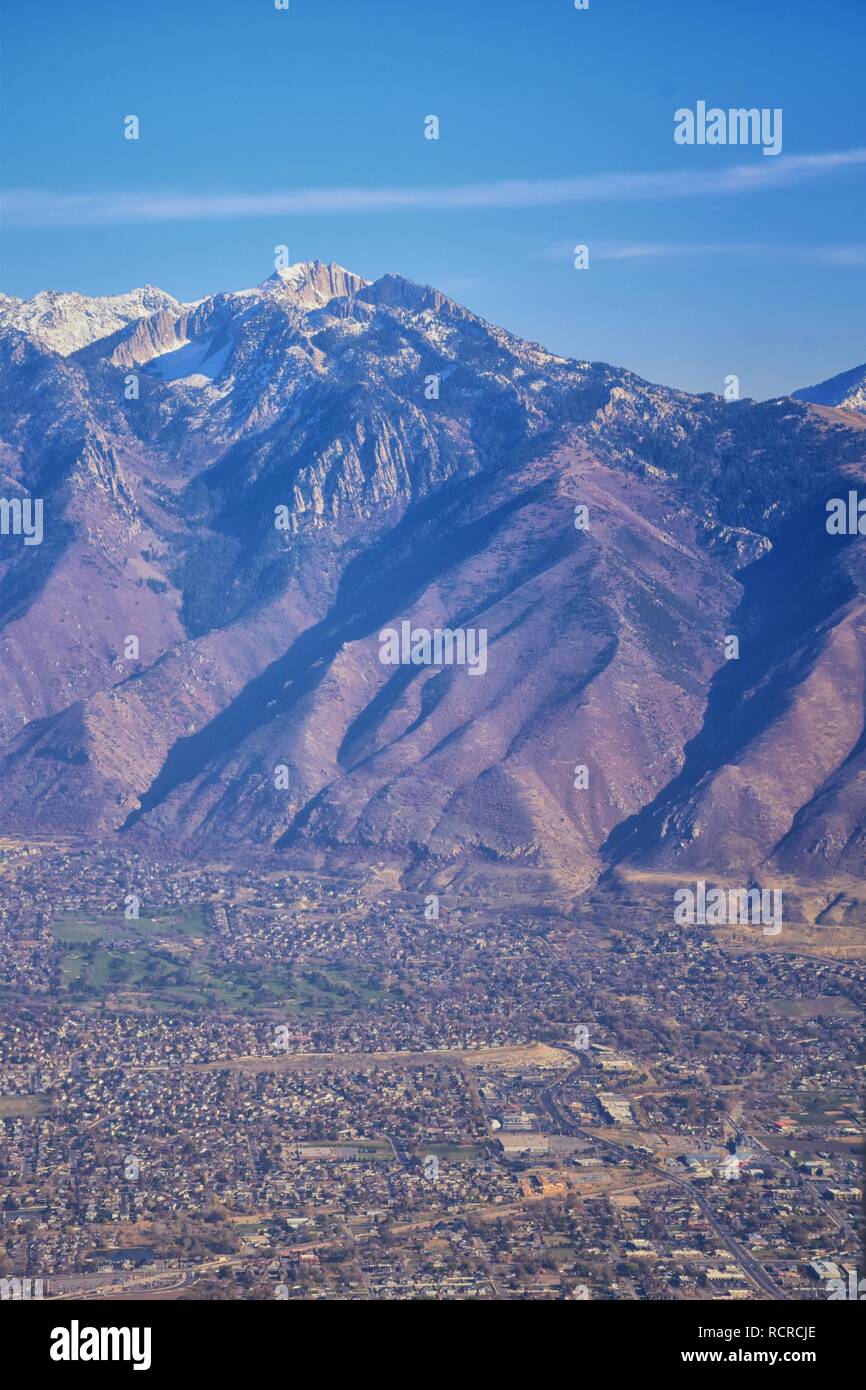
(66, 321)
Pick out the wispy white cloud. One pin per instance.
(853, 254)
(39, 208)
(844, 255)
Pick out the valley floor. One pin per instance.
(247, 1082)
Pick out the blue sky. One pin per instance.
(262, 127)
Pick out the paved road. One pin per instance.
(745, 1260)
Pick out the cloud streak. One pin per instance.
(852, 254)
(34, 208)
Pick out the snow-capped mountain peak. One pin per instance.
(66, 321)
(312, 284)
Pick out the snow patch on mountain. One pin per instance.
(66, 322)
(198, 360)
(846, 391)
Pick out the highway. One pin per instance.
(749, 1265)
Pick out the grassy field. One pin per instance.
(452, 1153)
(821, 1007)
(80, 927)
(18, 1107)
(167, 959)
(831, 1107)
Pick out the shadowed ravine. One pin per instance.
(785, 595)
(399, 565)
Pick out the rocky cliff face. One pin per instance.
(241, 495)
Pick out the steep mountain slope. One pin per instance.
(255, 486)
(847, 391)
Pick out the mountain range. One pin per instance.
(241, 493)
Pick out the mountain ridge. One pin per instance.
(426, 465)
(846, 390)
